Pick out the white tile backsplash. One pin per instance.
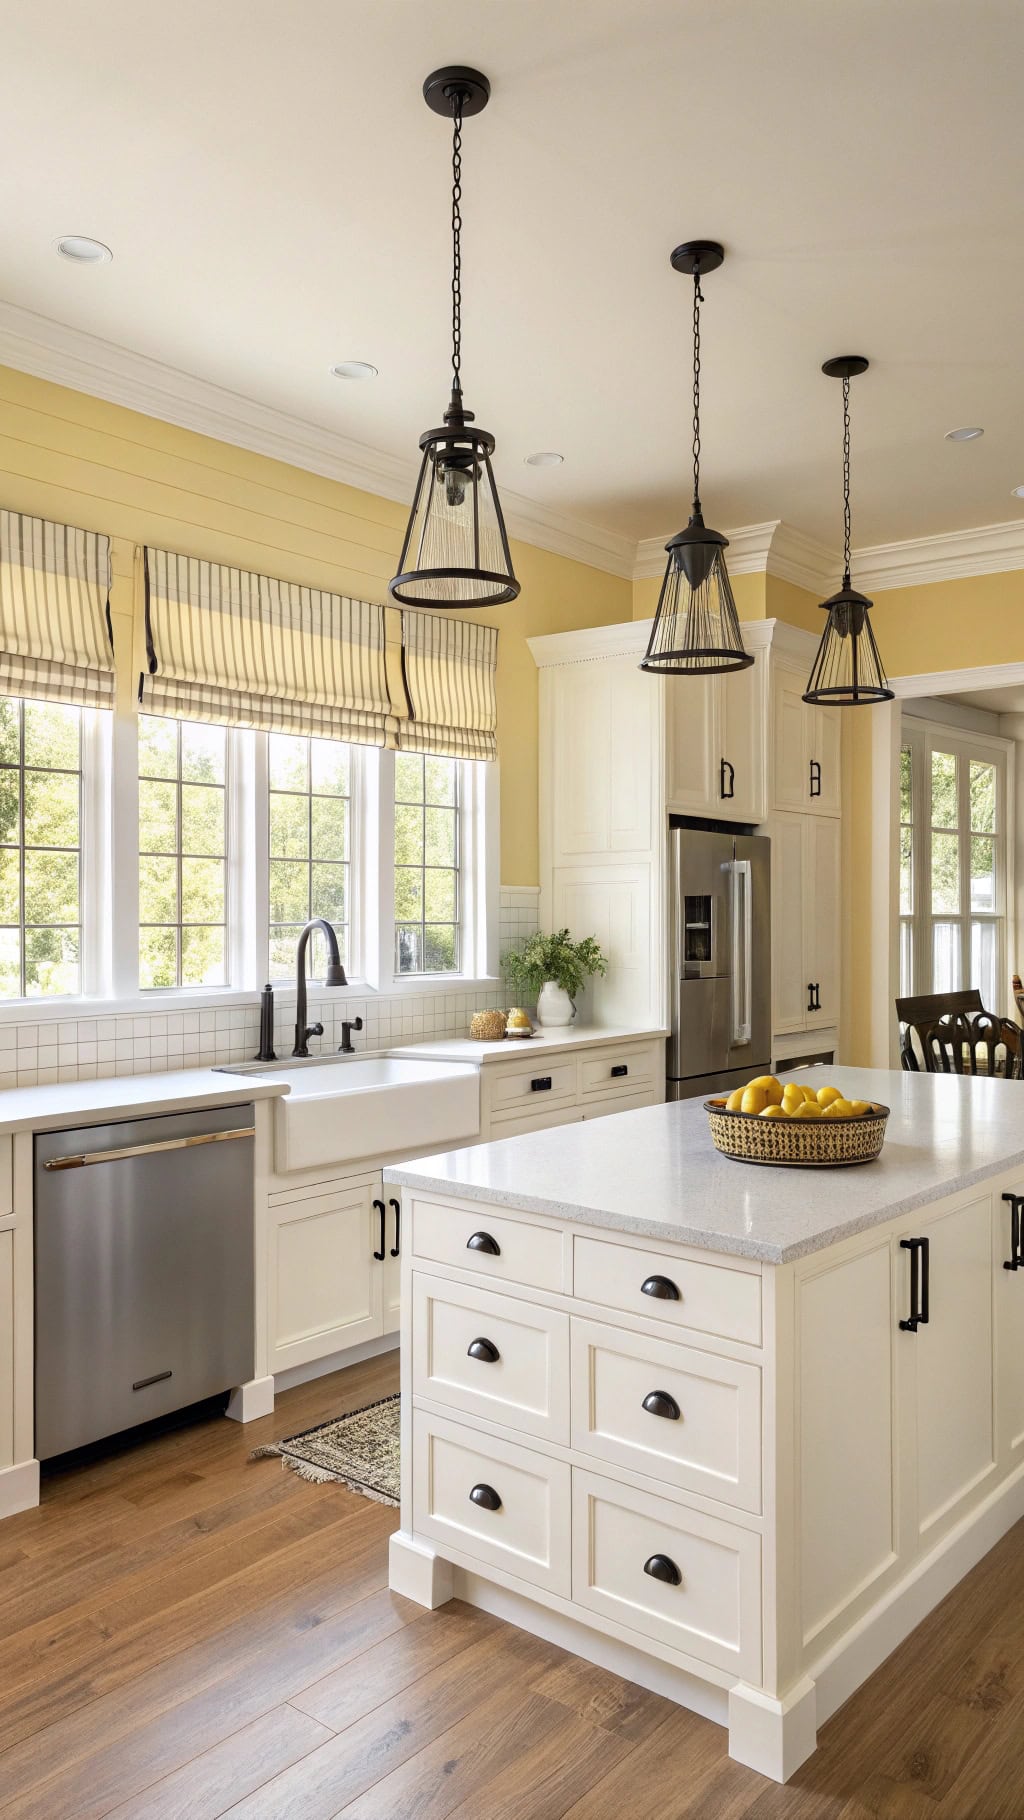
(89, 1048)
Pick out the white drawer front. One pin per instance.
(631, 1069)
(713, 1613)
(534, 1084)
(623, 1102)
(505, 1250)
(527, 1534)
(513, 1124)
(701, 1429)
(518, 1370)
(708, 1298)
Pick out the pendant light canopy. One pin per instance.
(847, 670)
(696, 629)
(456, 550)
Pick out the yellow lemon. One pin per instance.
(792, 1095)
(774, 1112)
(771, 1088)
(809, 1110)
(827, 1096)
(754, 1099)
(809, 1094)
(839, 1109)
(859, 1107)
(735, 1101)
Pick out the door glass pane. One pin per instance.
(946, 957)
(906, 958)
(906, 871)
(906, 779)
(945, 872)
(983, 962)
(944, 790)
(983, 798)
(983, 872)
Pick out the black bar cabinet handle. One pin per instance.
(659, 1403)
(382, 1211)
(542, 1085)
(1015, 1261)
(918, 1249)
(397, 1246)
(485, 1350)
(924, 1244)
(486, 1497)
(725, 766)
(661, 1288)
(482, 1241)
(661, 1567)
(619, 1070)
(810, 995)
(815, 777)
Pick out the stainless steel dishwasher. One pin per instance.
(143, 1270)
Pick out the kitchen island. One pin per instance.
(729, 1431)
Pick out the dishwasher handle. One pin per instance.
(89, 1157)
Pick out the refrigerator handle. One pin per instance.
(742, 950)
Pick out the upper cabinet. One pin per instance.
(806, 747)
(716, 763)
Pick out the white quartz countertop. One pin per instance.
(67, 1103)
(656, 1172)
(542, 1042)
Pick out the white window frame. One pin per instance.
(924, 737)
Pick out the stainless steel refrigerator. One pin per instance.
(720, 960)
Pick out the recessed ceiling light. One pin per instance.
(1017, 492)
(970, 434)
(545, 458)
(354, 369)
(83, 251)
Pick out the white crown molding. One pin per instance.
(986, 550)
(802, 560)
(66, 356)
(959, 682)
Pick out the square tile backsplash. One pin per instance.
(90, 1048)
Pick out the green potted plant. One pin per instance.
(554, 969)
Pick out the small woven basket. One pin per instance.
(487, 1026)
(797, 1143)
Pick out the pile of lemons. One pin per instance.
(771, 1100)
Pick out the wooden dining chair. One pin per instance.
(952, 1033)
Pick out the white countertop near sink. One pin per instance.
(128, 1096)
(656, 1172)
(545, 1042)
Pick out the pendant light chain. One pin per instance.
(698, 299)
(457, 100)
(846, 480)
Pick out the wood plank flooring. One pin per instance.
(187, 1632)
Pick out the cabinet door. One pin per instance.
(789, 900)
(824, 754)
(391, 1269)
(691, 713)
(605, 731)
(821, 861)
(953, 1444)
(325, 1284)
(790, 734)
(1009, 1317)
(741, 737)
(6, 1348)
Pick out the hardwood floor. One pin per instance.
(187, 1632)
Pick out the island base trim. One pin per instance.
(773, 1736)
(251, 1400)
(418, 1572)
(19, 1487)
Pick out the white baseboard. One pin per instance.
(19, 1487)
(337, 1361)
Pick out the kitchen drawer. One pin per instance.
(707, 1298)
(712, 1445)
(533, 1084)
(525, 1384)
(514, 1252)
(527, 1534)
(514, 1124)
(626, 1102)
(709, 1607)
(633, 1068)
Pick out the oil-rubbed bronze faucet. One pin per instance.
(335, 976)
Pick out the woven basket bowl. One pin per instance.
(797, 1143)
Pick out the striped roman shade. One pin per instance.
(449, 675)
(55, 639)
(248, 651)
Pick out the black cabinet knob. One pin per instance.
(660, 1567)
(486, 1497)
(662, 1288)
(659, 1403)
(619, 1071)
(482, 1241)
(485, 1350)
(543, 1085)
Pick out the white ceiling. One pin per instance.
(276, 195)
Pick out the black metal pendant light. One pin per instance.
(848, 670)
(456, 550)
(696, 629)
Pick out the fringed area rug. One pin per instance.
(359, 1450)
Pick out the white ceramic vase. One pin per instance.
(554, 1006)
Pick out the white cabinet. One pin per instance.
(1008, 1273)
(716, 740)
(326, 1283)
(806, 853)
(601, 740)
(806, 748)
(6, 1347)
(691, 726)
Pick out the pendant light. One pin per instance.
(847, 670)
(696, 629)
(456, 550)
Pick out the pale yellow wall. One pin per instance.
(951, 625)
(74, 458)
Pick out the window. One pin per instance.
(952, 863)
(182, 853)
(40, 849)
(310, 821)
(427, 864)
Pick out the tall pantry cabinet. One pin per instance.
(622, 750)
